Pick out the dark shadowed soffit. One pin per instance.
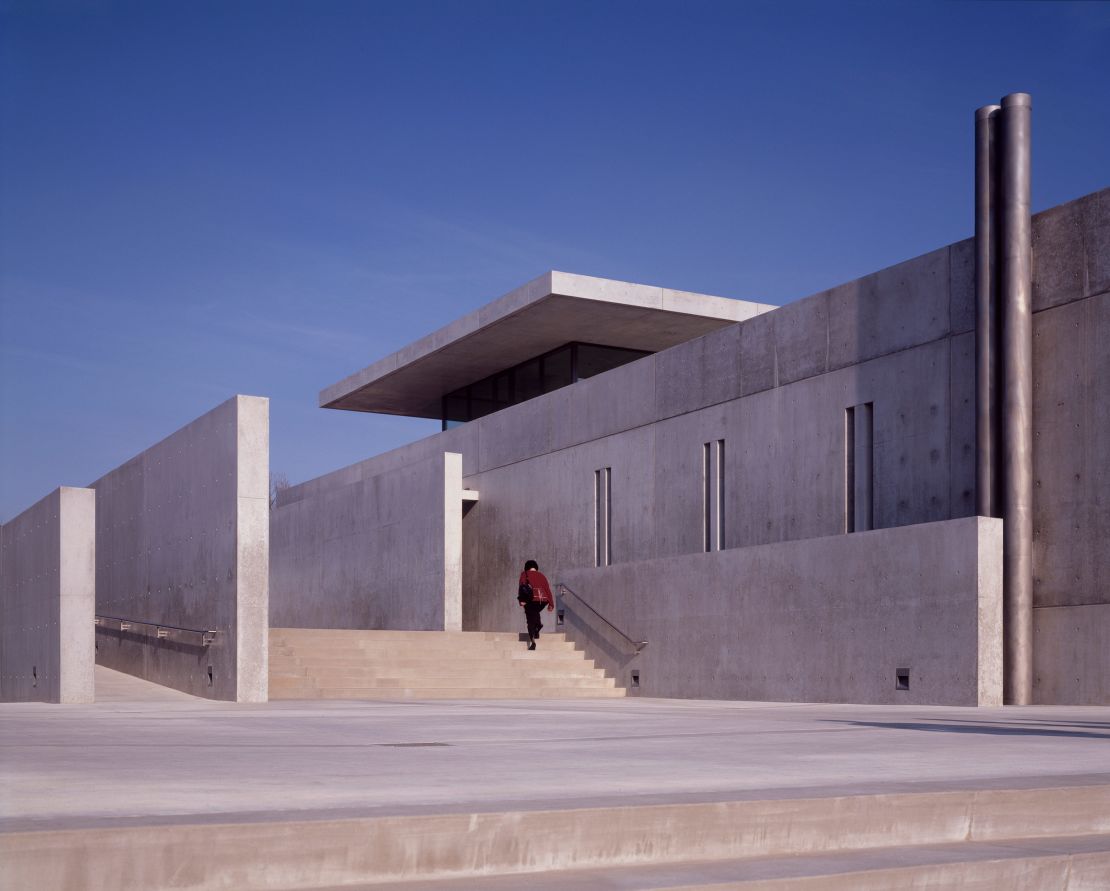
(554, 309)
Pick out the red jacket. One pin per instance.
(541, 590)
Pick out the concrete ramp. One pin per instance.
(117, 686)
(308, 663)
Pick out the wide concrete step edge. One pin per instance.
(506, 655)
(386, 685)
(312, 691)
(505, 669)
(440, 648)
(1071, 863)
(385, 636)
(265, 856)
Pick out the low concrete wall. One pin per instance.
(379, 552)
(822, 620)
(182, 539)
(1071, 654)
(47, 569)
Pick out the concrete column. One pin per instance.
(252, 549)
(452, 541)
(47, 600)
(986, 312)
(1016, 290)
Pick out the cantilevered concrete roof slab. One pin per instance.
(554, 309)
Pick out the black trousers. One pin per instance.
(532, 611)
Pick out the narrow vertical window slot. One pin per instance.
(859, 467)
(598, 508)
(850, 470)
(608, 516)
(707, 497)
(603, 516)
(865, 467)
(720, 494)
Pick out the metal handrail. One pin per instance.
(161, 630)
(636, 645)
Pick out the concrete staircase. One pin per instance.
(310, 663)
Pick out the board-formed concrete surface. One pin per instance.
(381, 552)
(182, 544)
(47, 593)
(154, 779)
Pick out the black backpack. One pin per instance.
(524, 592)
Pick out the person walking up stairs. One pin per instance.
(533, 594)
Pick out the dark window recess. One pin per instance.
(529, 380)
(635, 677)
(594, 359)
(902, 679)
(558, 369)
(456, 409)
(544, 374)
(482, 399)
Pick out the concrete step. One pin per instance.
(445, 682)
(1069, 862)
(311, 691)
(351, 664)
(495, 668)
(1022, 838)
(442, 648)
(441, 654)
(443, 679)
(374, 634)
(426, 644)
(522, 654)
(483, 692)
(531, 687)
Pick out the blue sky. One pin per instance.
(199, 199)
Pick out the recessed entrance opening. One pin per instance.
(902, 679)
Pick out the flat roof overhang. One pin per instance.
(554, 309)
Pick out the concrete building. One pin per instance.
(880, 493)
(894, 491)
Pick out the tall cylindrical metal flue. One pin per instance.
(986, 312)
(1015, 262)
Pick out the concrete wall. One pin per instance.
(822, 620)
(1071, 454)
(182, 539)
(784, 468)
(379, 552)
(47, 576)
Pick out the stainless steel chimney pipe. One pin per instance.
(1015, 266)
(986, 312)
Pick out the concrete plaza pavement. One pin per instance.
(143, 755)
